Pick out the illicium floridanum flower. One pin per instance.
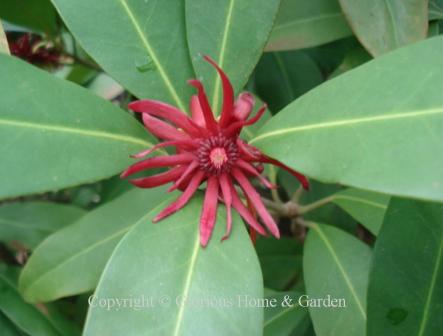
(211, 151)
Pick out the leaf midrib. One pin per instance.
(221, 57)
(431, 289)
(20, 225)
(341, 268)
(13, 287)
(75, 256)
(152, 54)
(188, 282)
(361, 200)
(77, 131)
(307, 20)
(348, 122)
(390, 11)
(280, 314)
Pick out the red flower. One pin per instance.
(208, 150)
(32, 49)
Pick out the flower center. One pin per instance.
(218, 157)
(217, 154)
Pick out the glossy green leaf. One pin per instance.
(164, 263)
(71, 260)
(139, 43)
(249, 132)
(287, 317)
(366, 207)
(434, 28)
(280, 261)
(353, 59)
(7, 327)
(281, 77)
(384, 25)
(336, 265)
(81, 74)
(435, 11)
(303, 24)
(27, 317)
(4, 48)
(269, 246)
(222, 30)
(38, 15)
(280, 271)
(405, 294)
(338, 132)
(31, 222)
(68, 138)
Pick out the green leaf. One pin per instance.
(4, 48)
(280, 261)
(71, 260)
(405, 295)
(338, 132)
(435, 10)
(139, 43)
(282, 77)
(27, 317)
(68, 138)
(81, 74)
(34, 14)
(384, 25)
(434, 28)
(303, 24)
(163, 263)
(366, 207)
(31, 222)
(280, 271)
(353, 59)
(270, 246)
(222, 30)
(285, 319)
(249, 132)
(336, 265)
(7, 327)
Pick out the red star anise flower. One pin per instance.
(208, 150)
(32, 49)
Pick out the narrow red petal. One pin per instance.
(167, 112)
(228, 94)
(247, 167)
(209, 213)
(243, 106)
(210, 121)
(300, 177)
(245, 213)
(157, 162)
(253, 236)
(248, 152)
(250, 192)
(189, 170)
(159, 179)
(225, 186)
(197, 113)
(238, 125)
(187, 143)
(163, 130)
(183, 198)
